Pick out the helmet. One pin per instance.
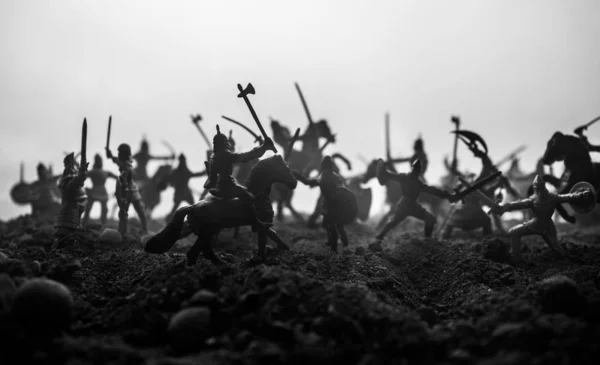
(220, 140)
(97, 161)
(418, 144)
(327, 163)
(144, 146)
(124, 149)
(69, 159)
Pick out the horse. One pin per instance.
(209, 216)
(578, 164)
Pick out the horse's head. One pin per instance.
(323, 130)
(281, 134)
(371, 171)
(268, 171)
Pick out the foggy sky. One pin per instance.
(515, 71)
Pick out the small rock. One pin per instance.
(242, 339)
(24, 238)
(427, 315)
(375, 247)
(7, 292)
(460, 355)
(189, 328)
(36, 267)
(496, 250)
(110, 236)
(359, 250)
(202, 297)
(476, 247)
(3, 257)
(43, 306)
(560, 294)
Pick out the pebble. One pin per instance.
(189, 328)
(43, 306)
(560, 294)
(359, 250)
(202, 297)
(110, 236)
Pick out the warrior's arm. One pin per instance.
(400, 160)
(573, 197)
(594, 148)
(517, 205)
(254, 153)
(303, 179)
(199, 174)
(111, 175)
(432, 190)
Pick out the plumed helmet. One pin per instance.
(416, 167)
(69, 159)
(418, 144)
(182, 158)
(219, 138)
(144, 146)
(41, 167)
(97, 161)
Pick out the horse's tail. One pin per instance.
(165, 239)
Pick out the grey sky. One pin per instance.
(515, 71)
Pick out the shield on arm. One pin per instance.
(584, 206)
(364, 198)
(343, 207)
(22, 194)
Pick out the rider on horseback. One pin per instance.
(220, 182)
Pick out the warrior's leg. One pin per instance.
(245, 196)
(551, 240)
(103, 211)
(420, 213)
(498, 222)
(343, 235)
(312, 220)
(515, 234)
(139, 209)
(447, 232)
(279, 214)
(86, 214)
(123, 216)
(393, 221)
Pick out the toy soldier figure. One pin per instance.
(98, 191)
(73, 197)
(408, 206)
(220, 182)
(142, 158)
(127, 191)
(330, 182)
(45, 192)
(180, 178)
(419, 154)
(542, 204)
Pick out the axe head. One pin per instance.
(243, 92)
(196, 118)
(455, 119)
(471, 138)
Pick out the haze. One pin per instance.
(515, 71)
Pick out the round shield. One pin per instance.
(343, 207)
(22, 194)
(364, 198)
(584, 206)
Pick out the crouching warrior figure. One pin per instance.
(73, 197)
(127, 191)
(339, 206)
(542, 203)
(220, 182)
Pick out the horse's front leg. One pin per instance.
(262, 244)
(207, 250)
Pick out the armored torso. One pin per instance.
(98, 190)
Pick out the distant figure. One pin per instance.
(46, 193)
(419, 154)
(126, 190)
(328, 182)
(142, 158)
(180, 179)
(73, 197)
(98, 191)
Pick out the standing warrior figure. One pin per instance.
(126, 189)
(142, 158)
(220, 182)
(407, 206)
(418, 154)
(543, 204)
(328, 182)
(46, 193)
(180, 179)
(98, 191)
(73, 197)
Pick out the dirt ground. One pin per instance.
(415, 301)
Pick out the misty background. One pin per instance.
(515, 71)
